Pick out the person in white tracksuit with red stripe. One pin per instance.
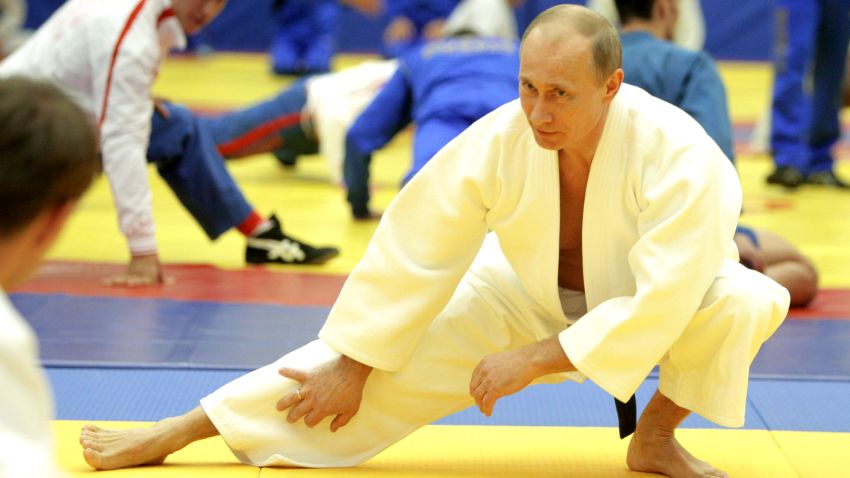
(106, 55)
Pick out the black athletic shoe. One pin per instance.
(287, 159)
(826, 178)
(787, 176)
(273, 246)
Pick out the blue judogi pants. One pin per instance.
(304, 39)
(189, 153)
(274, 125)
(188, 160)
(810, 34)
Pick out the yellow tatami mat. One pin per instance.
(509, 452)
(313, 208)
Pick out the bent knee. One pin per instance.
(169, 134)
(748, 299)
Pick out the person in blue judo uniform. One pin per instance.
(304, 39)
(412, 22)
(811, 39)
(442, 87)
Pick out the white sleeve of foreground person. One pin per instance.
(26, 405)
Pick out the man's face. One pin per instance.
(561, 95)
(196, 14)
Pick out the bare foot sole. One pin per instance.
(663, 454)
(111, 449)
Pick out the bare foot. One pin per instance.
(660, 452)
(110, 449)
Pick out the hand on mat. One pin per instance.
(498, 375)
(334, 389)
(142, 270)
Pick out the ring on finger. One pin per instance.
(298, 392)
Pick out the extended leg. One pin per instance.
(110, 449)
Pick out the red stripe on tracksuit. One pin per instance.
(167, 13)
(258, 133)
(130, 20)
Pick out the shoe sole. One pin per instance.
(321, 259)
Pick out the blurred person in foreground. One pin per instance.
(48, 158)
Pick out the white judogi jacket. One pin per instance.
(660, 212)
(334, 100)
(26, 404)
(106, 54)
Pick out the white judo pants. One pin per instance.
(489, 312)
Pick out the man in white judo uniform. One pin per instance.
(612, 215)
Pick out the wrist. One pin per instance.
(358, 368)
(546, 357)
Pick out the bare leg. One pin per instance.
(785, 264)
(110, 449)
(654, 448)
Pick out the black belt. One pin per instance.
(626, 416)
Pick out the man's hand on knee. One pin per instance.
(496, 376)
(504, 373)
(334, 389)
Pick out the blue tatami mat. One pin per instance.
(103, 331)
(811, 349)
(165, 333)
(148, 395)
(131, 394)
(803, 405)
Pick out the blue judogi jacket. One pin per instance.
(685, 78)
(443, 87)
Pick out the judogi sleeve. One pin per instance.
(26, 405)
(688, 198)
(387, 114)
(426, 241)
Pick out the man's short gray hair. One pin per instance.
(605, 43)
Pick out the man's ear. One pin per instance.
(52, 221)
(612, 84)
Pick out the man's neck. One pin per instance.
(654, 28)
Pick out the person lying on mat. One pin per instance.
(611, 216)
(48, 158)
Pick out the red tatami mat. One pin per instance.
(259, 285)
(256, 285)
